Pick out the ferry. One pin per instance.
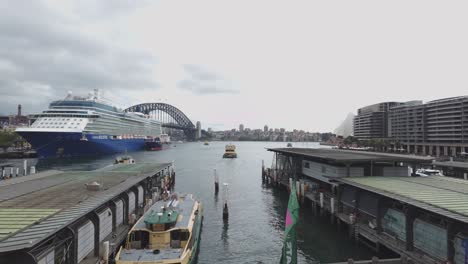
(230, 152)
(79, 126)
(169, 232)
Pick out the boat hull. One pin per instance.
(197, 235)
(153, 145)
(230, 155)
(63, 144)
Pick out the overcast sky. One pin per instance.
(292, 64)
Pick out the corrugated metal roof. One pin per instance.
(64, 197)
(339, 155)
(13, 220)
(441, 195)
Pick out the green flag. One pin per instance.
(289, 253)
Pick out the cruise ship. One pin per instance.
(80, 126)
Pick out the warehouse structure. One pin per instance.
(424, 219)
(71, 217)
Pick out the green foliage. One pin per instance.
(8, 139)
(351, 140)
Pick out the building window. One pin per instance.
(324, 169)
(307, 165)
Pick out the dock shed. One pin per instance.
(457, 169)
(422, 218)
(64, 217)
(429, 215)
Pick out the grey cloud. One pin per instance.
(95, 9)
(43, 55)
(203, 82)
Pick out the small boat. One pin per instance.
(153, 144)
(289, 145)
(230, 151)
(428, 172)
(124, 160)
(206, 143)
(169, 232)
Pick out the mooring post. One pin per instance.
(332, 210)
(263, 171)
(216, 179)
(25, 167)
(321, 204)
(225, 208)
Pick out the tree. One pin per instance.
(7, 139)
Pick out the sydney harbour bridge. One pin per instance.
(170, 117)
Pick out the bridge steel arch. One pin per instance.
(183, 122)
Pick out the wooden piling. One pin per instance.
(225, 212)
(216, 179)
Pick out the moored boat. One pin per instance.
(124, 160)
(169, 232)
(80, 126)
(153, 143)
(230, 151)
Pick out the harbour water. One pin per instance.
(254, 233)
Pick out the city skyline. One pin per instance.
(281, 77)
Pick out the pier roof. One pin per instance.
(36, 207)
(441, 195)
(350, 156)
(453, 164)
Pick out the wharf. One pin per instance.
(457, 169)
(54, 215)
(422, 219)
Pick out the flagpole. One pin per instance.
(289, 250)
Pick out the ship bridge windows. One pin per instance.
(139, 239)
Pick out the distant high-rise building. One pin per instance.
(241, 128)
(19, 110)
(265, 129)
(371, 121)
(198, 135)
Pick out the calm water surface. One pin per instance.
(256, 213)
